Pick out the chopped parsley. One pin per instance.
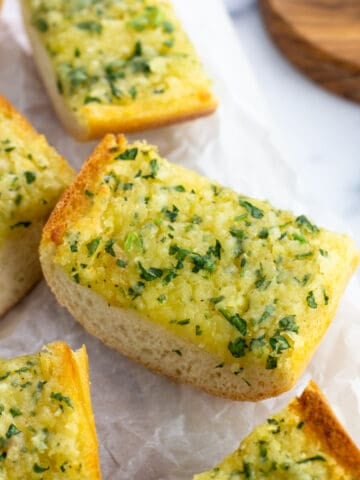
(61, 398)
(129, 154)
(90, 26)
(154, 168)
(92, 246)
(171, 214)
(39, 469)
(303, 221)
(30, 177)
(150, 274)
(12, 431)
(255, 212)
(109, 247)
(288, 324)
(311, 300)
(315, 458)
(235, 320)
(237, 347)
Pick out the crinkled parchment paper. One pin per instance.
(148, 427)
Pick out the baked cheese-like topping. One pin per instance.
(117, 52)
(32, 176)
(279, 449)
(235, 276)
(39, 422)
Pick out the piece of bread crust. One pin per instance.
(312, 436)
(96, 120)
(19, 262)
(320, 418)
(61, 399)
(145, 341)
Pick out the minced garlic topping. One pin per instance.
(32, 176)
(39, 424)
(233, 275)
(117, 52)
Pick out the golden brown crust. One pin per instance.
(71, 370)
(104, 119)
(7, 109)
(320, 418)
(73, 200)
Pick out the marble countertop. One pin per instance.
(319, 131)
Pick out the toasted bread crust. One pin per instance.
(10, 111)
(73, 201)
(321, 420)
(72, 369)
(102, 120)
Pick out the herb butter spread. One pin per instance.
(235, 276)
(32, 175)
(40, 421)
(279, 449)
(117, 52)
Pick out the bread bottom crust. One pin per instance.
(19, 264)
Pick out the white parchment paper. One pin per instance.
(148, 427)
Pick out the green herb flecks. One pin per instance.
(92, 246)
(154, 168)
(235, 320)
(288, 324)
(150, 274)
(90, 26)
(269, 310)
(12, 431)
(136, 290)
(310, 299)
(133, 241)
(315, 458)
(304, 222)
(237, 348)
(171, 215)
(216, 300)
(15, 412)
(279, 343)
(61, 398)
(39, 469)
(255, 212)
(41, 24)
(30, 177)
(109, 247)
(121, 263)
(129, 154)
(271, 362)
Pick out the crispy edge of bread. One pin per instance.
(321, 421)
(19, 262)
(113, 325)
(71, 369)
(98, 120)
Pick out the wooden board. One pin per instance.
(321, 37)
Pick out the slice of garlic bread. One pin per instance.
(190, 278)
(32, 177)
(47, 429)
(304, 441)
(116, 66)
